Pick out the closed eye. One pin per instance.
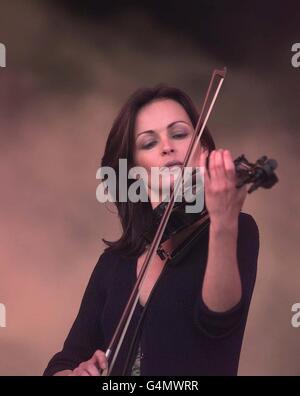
(180, 135)
(148, 145)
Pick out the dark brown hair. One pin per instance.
(135, 217)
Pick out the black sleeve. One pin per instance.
(220, 324)
(85, 336)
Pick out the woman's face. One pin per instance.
(163, 131)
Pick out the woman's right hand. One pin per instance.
(97, 365)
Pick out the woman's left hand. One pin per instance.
(223, 200)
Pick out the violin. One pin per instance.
(260, 174)
(170, 217)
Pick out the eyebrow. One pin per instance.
(168, 127)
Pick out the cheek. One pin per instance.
(183, 145)
(144, 159)
(196, 157)
(182, 148)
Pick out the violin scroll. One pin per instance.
(261, 173)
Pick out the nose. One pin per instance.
(167, 150)
(167, 147)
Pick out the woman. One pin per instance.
(192, 309)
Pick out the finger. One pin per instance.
(206, 176)
(229, 166)
(104, 372)
(76, 371)
(84, 373)
(203, 157)
(80, 370)
(202, 163)
(100, 359)
(92, 370)
(211, 165)
(219, 165)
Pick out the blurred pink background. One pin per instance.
(59, 95)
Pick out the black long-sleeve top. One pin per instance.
(177, 332)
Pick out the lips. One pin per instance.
(169, 165)
(173, 163)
